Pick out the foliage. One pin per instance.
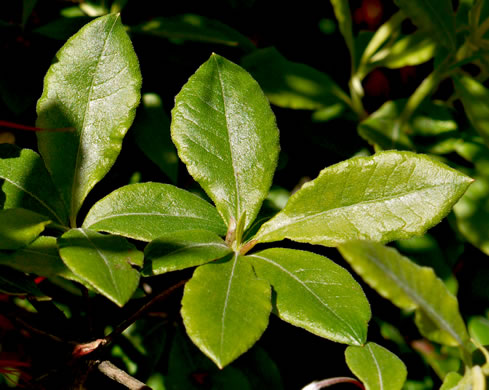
(99, 229)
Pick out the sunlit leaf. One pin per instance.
(145, 211)
(410, 287)
(184, 249)
(315, 293)
(104, 262)
(225, 133)
(225, 309)
(19, 227)
(92, 88)
(377, 367)
(384, 197)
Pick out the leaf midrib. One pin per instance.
(144, 214)
(226, 300)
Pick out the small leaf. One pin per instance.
(435, 17)
(225, 133)
(26, 183)
(104, 262)
(191, 27)
(410, 287)
(479, 329)
(384, 197)
(451, 381)
(225, 309)
(315, 293)
(342, 12)
(41, 257)
(291, 84)
(179, 250)
(92, 87)
(475, 99)
(19, 227)
(377, 367)
(145, 211)
(152, 134)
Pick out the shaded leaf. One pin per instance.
(191, 27)
(410, 287)
(225, 309)
(16, 283)
(19, 227)
(377, 367)
(342, 12)
(435, 17)
(179, 250)
(291, 84)
(225, 133)
(93, 88)
(315, 293)
(384, 197)
(63, 28)
(145, 211)
(104, 262)
(152, 134)
(26, 183)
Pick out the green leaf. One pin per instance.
(451, 381)
(19, 227)
(225, 133)
(291, 84)
(479, 329)
(410, 287)
(145, 211)
(191, 27)
(25, 183)
(179, 250)
(377, 367)
(151, 131)
(315, 293)
(41, 257)
(92, 87)
(434, 17)
(474, 98)
(384, 197)
(225, 309)
(343, 15)
(104, 262)
(27, 8)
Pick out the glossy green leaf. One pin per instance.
(410, 287)
(93, 88)
(315, 293)
(383, 130)
(19, 227)
(342, 12)
(41, 257)
(179, 250)
(151, 131)
(475, 99)
(377, 367)
(225, 309)
(104, 262)
(291, 84)
(435, 17)
(225, 133)
(145, 211)
(191, 27)
(25, 183)
(384, 197)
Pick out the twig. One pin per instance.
(333, 381)
(116, 374)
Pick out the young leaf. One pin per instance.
(179, 250)
(26, 183)
(104, 262)
(343, 15)
(92, 87)
(151, 131)
(409, 286)
(435, 17)
(475, 99)
(19, 227)
(291, 84)
(384, 197)
(145, 211)
(377, 367)
(225, 133)
(315, 293)
(451, 381)
(225, 309)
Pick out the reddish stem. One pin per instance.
(12, 125)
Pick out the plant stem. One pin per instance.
(333, 381)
